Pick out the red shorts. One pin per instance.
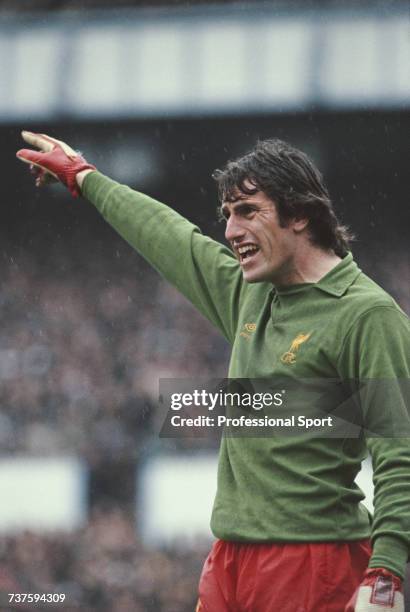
(318, 577)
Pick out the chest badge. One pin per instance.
(290, 356)
(247, 330)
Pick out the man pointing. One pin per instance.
(292, 535)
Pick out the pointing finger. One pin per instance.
(46, 143)
(38, 140)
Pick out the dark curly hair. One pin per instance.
(291, 180)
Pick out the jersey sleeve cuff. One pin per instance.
(391, 553)
(91, 183)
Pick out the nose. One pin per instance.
(233, 229)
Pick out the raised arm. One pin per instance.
(206, 272)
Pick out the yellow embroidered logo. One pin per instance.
(248, 329)
(290, 356)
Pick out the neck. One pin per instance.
(308, 265)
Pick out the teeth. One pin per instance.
(247, 248)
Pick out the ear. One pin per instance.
(298, 225)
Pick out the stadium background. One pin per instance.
(94, 504)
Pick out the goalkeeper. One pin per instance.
(292, 535)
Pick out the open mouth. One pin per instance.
(247, 252)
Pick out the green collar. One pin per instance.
(338, 280)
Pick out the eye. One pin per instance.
(246, 210)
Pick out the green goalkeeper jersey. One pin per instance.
(290, 488)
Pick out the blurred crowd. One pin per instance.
(83, 343)
(102, 567)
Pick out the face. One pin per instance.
(264, 249)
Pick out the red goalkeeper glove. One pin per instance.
(379, 591)
(55, 159)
